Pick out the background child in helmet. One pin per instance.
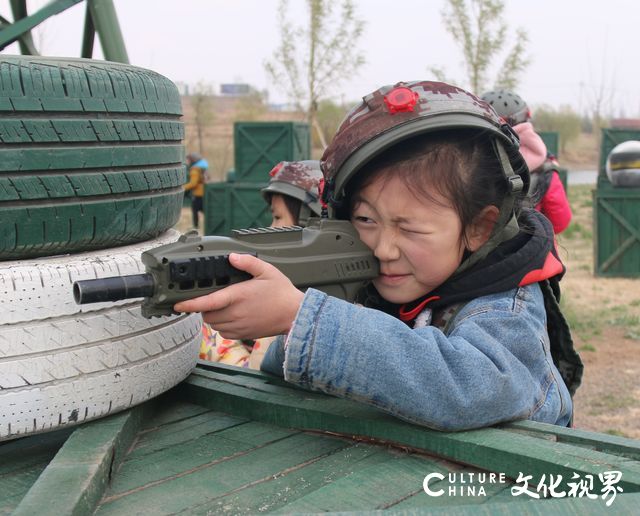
(452, 334)
(293, 193)
(546, 193)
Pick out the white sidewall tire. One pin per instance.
(62, 364)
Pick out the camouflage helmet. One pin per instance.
(508, 105)
(397, 112)
(300, 180)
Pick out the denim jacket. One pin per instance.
(493, 366)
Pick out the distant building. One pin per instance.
(235, 89)
(625, 123)
(282, 107)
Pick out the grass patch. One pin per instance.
(609, 402)
(614, 431)
(631, 323)
(633, 334)
(585, 325)
(577, 230)
(625, 320)
(587, 347)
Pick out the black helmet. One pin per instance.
(508, 105)
(395, 113)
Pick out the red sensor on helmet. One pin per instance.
(401, 100)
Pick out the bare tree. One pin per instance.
(600, 92)
(201, 103)
(310, 61)
(478, 27)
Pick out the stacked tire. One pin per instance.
(91, 174)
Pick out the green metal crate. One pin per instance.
(609, 139)
(230, 206)
(259, 146)
(552, 140)
(616, 230)
(616, 241)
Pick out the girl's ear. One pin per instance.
(480, 231)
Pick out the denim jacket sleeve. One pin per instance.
(493, 366)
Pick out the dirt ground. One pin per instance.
(604, 315)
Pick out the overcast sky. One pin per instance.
(576, 46)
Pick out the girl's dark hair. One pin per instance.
(460, 165)
(292, 204)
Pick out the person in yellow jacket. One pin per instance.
(197, 166)
(293, 193)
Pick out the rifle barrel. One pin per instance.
(113, 289)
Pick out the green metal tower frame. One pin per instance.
(100, 18)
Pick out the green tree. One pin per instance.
(251, 106)
(329, 116)
(478, 27)
(311, 60)
(565, 121)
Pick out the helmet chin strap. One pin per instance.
(506, 227)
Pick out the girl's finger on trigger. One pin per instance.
(247, 263)
(209, 303)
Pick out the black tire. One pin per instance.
(91, 155)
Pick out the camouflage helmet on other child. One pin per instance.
(300, 180)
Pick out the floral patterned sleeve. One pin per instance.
(215, 348)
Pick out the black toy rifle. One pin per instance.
(327, 255)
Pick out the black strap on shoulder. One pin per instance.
(563, 352)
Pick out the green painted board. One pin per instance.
(235, 441)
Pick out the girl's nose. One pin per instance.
(386, 249)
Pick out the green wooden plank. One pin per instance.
(28, 451)
(222, 477)
(491, 449)
(268, 387)
(275, 493)
(171, 410)
(462, 495)
(230, 370)
(14, 487)
(377, 487)
(623, 504)
(183, 431)
(21, 463)
(141, 470)
(621, 446)
(75, 479)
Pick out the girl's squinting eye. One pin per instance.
(415, 231)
